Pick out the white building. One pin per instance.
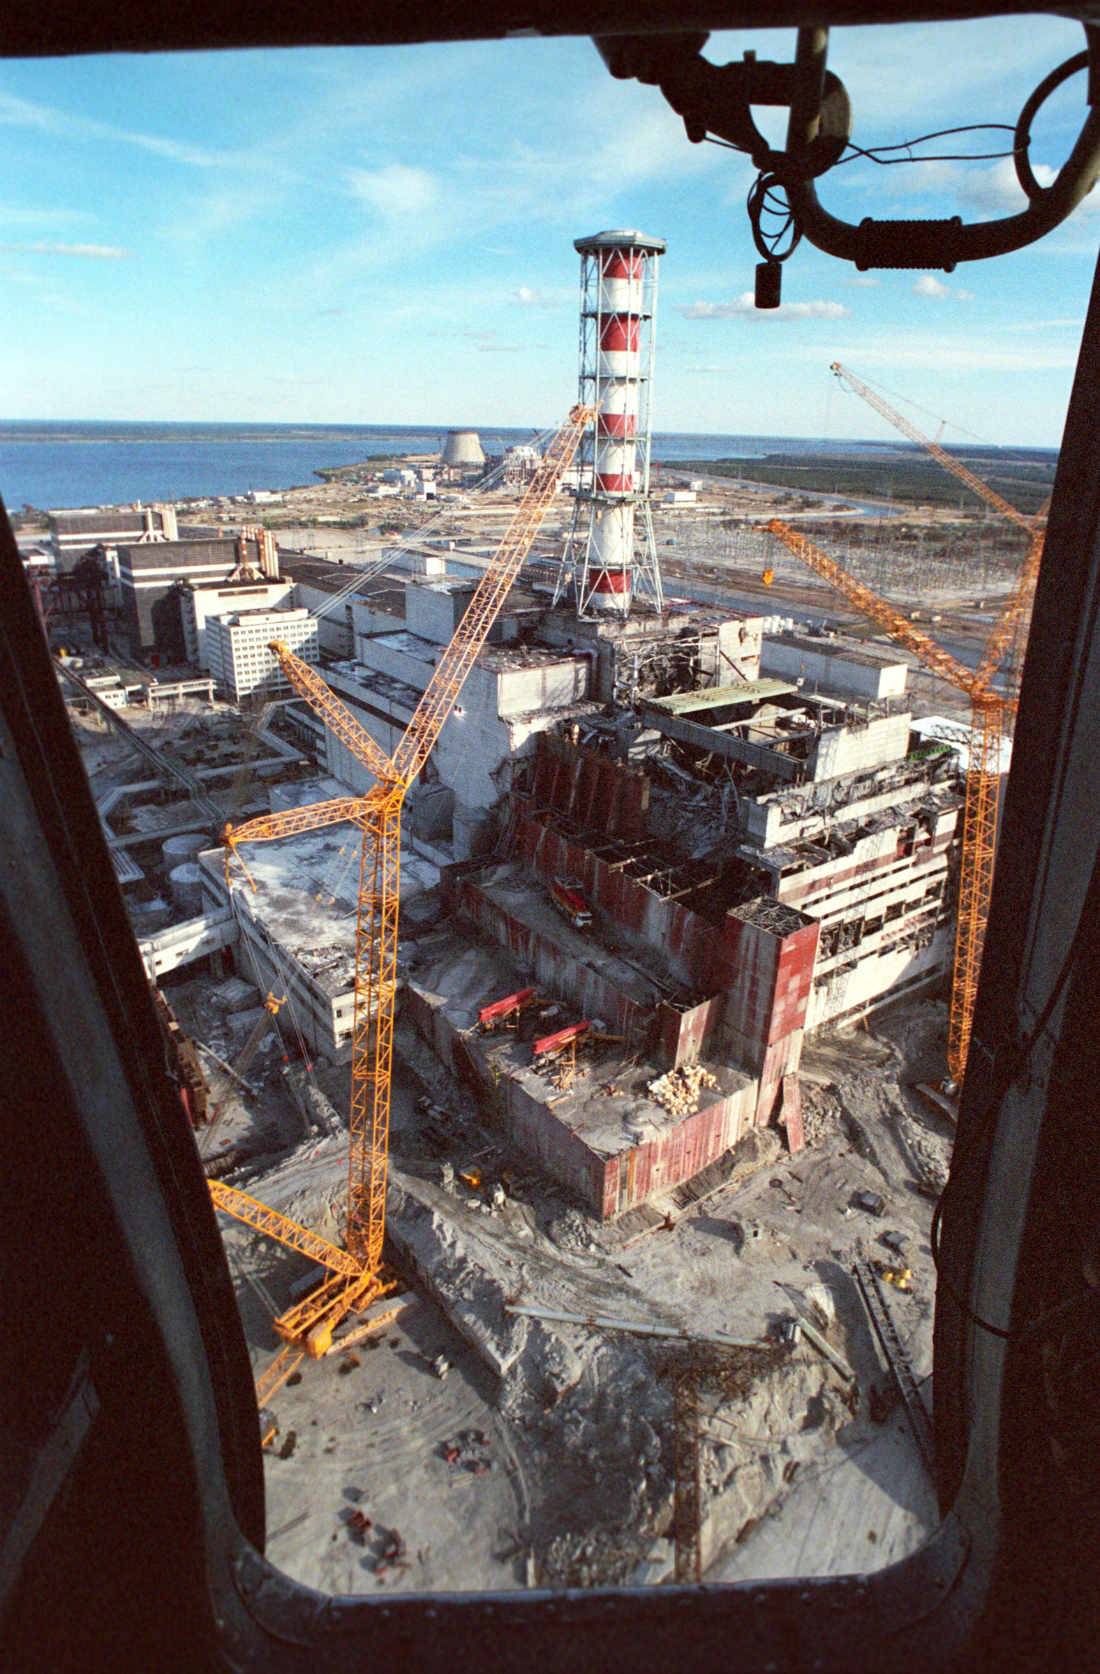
(198, 603)
(511, 694)
(238, 654)
(297, 931)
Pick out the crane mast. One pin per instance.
(359, 1280)
(947, 460)
(989, 714)
(980, 812)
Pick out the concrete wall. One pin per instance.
(368, 620)
(541, 687)
(832, 671)
(739, 646)
(434, 612)
(592, 993)
(600, 794)
(678, 941)
(606, 1185)
(200, 602)
(860, 749)
(687, 1033)
(768, 962)
(402, 655)
(533, 1127)
(324, 1021)
(678, 1153)
(334, 631)
(761, 955)
(495, 719)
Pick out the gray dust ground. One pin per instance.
(577, 1421)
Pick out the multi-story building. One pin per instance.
(74, 533)
(238, 655)
(150, 576)
(198, 603)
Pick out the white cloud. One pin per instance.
(995, 190)
(941, 354)
(534, 299)
(21, 113)
(744, 308)
(395, 191)
(863, 281)
(11, 216)
(929, 285)
(91, 252)
(984, 192)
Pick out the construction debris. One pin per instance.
(678, 1090)
(469, 1451)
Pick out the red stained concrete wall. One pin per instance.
(606, 1185)
(688, 942)
(685, 1035)
(600, 794)
(769, 976)
(554, 969)
(678, 1153)
(763, 973)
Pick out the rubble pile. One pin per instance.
(678, 1090)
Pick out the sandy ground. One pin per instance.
(577, 1422)
(374, 1437)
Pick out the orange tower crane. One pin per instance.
(947, 460)
(982, 780)
(988, 716)
(1022, 590)
(356, 1272)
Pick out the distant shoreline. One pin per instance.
(64, 463)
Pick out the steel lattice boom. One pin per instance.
(979, 834)
(987, 720)
(334, 714)
(295, 1237)
(1015, 608)
(494, 587)
(876, 609)
(947, 460)
(357, 1277)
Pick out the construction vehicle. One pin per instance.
(989, 716)
(570, 902)
(356, 1272)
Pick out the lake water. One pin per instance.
(49, 465)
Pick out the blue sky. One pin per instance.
(385, 236)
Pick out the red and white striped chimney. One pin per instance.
(618, 298)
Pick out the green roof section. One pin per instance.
(721, 697)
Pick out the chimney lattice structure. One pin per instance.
(610, 556)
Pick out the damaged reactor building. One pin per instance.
(658, 868)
